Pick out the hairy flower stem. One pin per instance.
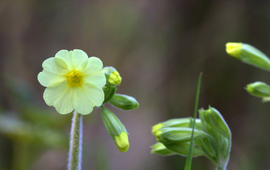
(75, 148)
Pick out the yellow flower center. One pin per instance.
(74, 78)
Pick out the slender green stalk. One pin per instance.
(75, 148)
(221, 168)
(189, 158)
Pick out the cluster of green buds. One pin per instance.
(251, 55)
(212, 137)
(113, 125)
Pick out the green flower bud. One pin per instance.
(179, 122)
(122, 142)
(124, 102)
(160, 149)
(248, 54)
(115, 129)
(112, 76)
(215, 120)
(156, 128)
(109, 92)
(258, 89)
(182, 148)
(178, 134)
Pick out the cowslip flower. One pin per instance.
(73, 81)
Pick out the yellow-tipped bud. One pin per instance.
(234, 49)
(112, 76)
(122, 142)
(115, 78)
(248, 54)
(160, 149)
(258, 89)
(156, 128)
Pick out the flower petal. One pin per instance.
(98, 79)
(51, 66)
(60, 97)
(94, 64)
(46, 78)
(94, 94)
(65, 55)
(81, 102)
(79, 59)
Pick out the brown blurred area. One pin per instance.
(159, 47)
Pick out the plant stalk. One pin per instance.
(75, 147)
(221, 167)
(189, 157)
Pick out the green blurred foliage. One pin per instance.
(159, 48)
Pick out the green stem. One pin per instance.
(75, 148)
(189, 158)
(221, 168)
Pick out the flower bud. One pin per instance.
(124, 102)
(115, 129)
(109, 91)
(258, 89)
(182, 148)
(178, 122)
(156, 128)
(112, 76)
(160, 149)
(178, 134)
(248, 54)
(215, 120)
(122, 142)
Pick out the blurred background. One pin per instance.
(159, 47)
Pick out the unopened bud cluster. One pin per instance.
(212, 137)
(114, 126)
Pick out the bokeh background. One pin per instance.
(159, 47)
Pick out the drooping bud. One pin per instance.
(115, 129)
(124, 102)
(177, 122)
(122, 142)
(248, 54)
(258, 89)
(160, 149)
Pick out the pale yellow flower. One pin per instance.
(73, 81)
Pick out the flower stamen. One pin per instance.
(75, 78)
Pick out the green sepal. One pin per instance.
(177, 122)
(208, 147)
(182, 148)
(109, 91)
(124, 102)
(113, 125)
(255, 57)
(258, 89)
(214, 119)
(179, 134)
(160, 149)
